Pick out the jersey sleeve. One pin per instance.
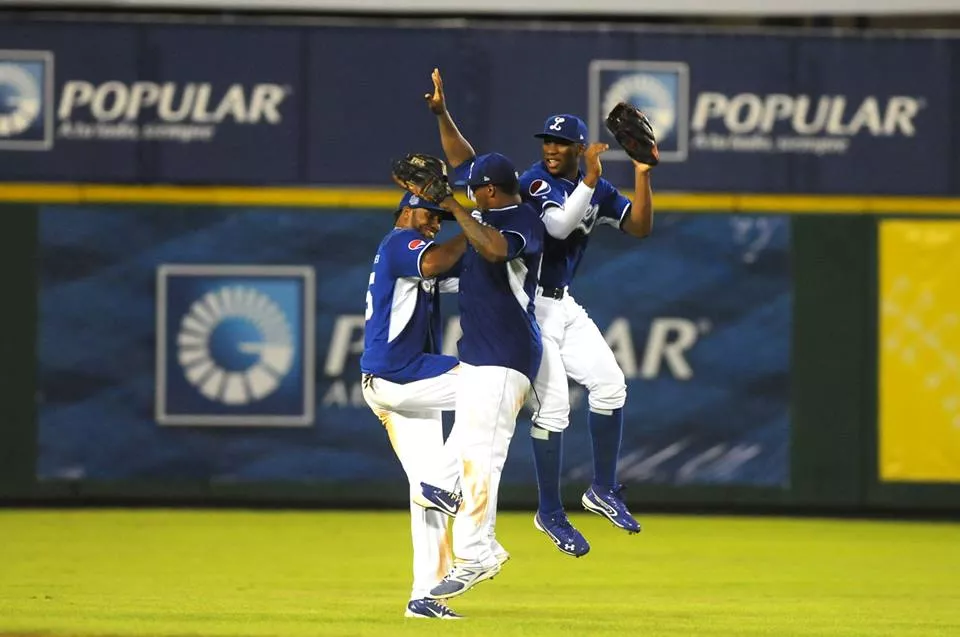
(541, 194)
(405, 251)
(523, 231)
(614, 207)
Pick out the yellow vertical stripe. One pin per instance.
(919, 401)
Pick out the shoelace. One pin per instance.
(438, 607)
(456, 498)
(562, 521)
(616, 491)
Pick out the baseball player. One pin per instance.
(499, 351)
(571, 204)
(408, 383)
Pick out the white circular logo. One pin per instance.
(235, 345)
(648, 94)
(19, 100)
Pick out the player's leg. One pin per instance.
(415, 437)
(439, 487)
(487, 408)
(436, 393)
(590, 362)
(499, 552)
(518, 387)
(550, 404)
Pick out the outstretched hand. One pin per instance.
(591, 158)
(436, 101)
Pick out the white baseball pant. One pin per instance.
(573, 347)
(489, 400)
(411, 414)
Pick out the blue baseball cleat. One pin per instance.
(427, 608)
(558, 528)
(437, 499)
(609, 504)
(462, 578)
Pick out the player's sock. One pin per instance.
(547, 454)
(606, 428)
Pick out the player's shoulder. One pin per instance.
(529, 213)
(536, 170)
(605, 188)
(536, 181)
(404, 239)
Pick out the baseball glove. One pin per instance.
(423, 175)
(633, 132)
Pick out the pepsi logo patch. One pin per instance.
(416, 244)
(539, 188)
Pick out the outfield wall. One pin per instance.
(755, 346)
(780, 349)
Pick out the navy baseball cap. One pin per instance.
(492, 168)
(411, 200)
(565, 126)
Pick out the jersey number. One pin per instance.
(369, 311)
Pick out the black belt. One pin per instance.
(552, 293)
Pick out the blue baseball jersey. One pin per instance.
(402, 336)
(497, 299)
(561, 257)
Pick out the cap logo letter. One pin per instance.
(556, 123)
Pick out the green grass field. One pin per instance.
(179, 573)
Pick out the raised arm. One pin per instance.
(640, 221)
(560, 220)
(440, 257)
(486, 240)
(456, 148)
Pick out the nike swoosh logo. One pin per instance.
(603, 505)
(609, 508)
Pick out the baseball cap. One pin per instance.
(492, 168)
(565, 126)
(411, 200)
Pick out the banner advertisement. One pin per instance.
(119, 103)
(919, 411)
(222, 345)
(203, 104)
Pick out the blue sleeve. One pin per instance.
(614, 207)
(404, 253)
(523, 231)
(515, 244)
(541, 194)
